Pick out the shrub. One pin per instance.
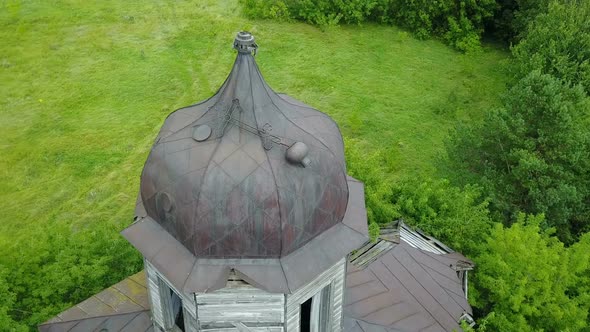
(458, 22)
(61, 268)
(370, 168)
(271, 9)
(458, 217)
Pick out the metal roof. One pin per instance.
(402, 288)
(398, 230)
(122, 307)
(193, 274)
(130, 322)
(247, 173)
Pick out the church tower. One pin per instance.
(245, 214)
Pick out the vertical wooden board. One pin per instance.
(154, 294)
(158, 309)
(334, 276)
(190, 324)
(188, 300)
(338, 299)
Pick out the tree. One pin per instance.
(61, 268)
(533, 155)
(558, 43)
(513, 16)
(7, 302)
(455, 216)
(526, 280)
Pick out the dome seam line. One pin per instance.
(271, 170)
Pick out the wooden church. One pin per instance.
(246, 220)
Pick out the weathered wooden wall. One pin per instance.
(242, 307)
(334, 277)
(240, 303)
(161, 309)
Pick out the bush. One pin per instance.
(462, 35)
(7, 306)
(458, 22)
(458, 217)
(370, 168)
(271, 9)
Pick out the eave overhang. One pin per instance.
(275, 275)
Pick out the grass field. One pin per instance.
(85, 86)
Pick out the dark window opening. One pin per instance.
(305, 316)
(177, 312)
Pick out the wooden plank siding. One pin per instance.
(159, 299)
(253, 329)
(334, 277)
(153, 284)
(240, 303)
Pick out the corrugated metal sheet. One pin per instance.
(419, 241)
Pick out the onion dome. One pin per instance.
(246, 174)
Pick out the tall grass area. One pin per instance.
(85, 86)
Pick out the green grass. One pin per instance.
(85, 86)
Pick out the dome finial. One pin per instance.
(245, 43)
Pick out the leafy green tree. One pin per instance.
(526, 280)
(532, 155)
(370, 168)
(558, 43)
(7, 303)
(61, 268)
(455, 216)
(512, 17)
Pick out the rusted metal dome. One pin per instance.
(247, 173)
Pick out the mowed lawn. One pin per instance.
(85, 86)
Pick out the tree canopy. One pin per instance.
(533, 155)
(557, 43)
(526, 280)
